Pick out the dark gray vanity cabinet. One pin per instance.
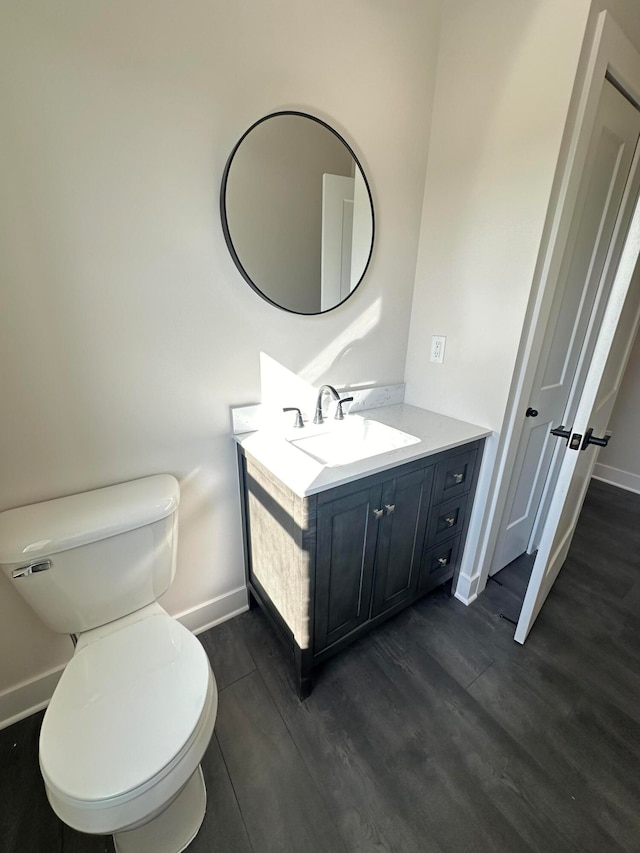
(369, 559)
(328, 567)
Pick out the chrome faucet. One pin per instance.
(318, 417)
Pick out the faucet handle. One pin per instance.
(299, 422)
(339, 413)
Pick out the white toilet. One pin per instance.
(123, 736)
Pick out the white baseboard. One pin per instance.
(33, 695)
(616, 477)
(28, 697)
(216, 610)
(466, 589)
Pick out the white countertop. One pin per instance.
(306, 476)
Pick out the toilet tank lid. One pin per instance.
(34, 531)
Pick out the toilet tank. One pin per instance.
(85, 560)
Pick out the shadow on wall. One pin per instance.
(281, 387)
(341, 345)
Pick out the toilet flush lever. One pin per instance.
(31, 569)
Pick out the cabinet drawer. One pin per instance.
(447, 520)
(454, 475)
(439, 564)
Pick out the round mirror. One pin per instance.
(297, 213)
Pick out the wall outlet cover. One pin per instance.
(437, 348)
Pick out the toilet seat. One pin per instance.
(127, 725)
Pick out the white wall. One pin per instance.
(125, 330)
(505, 76)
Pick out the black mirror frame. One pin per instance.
(225, 223)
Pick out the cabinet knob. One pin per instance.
(458, 478)
(378, 514)
(443, 561)
(390, 508)
(450, 520)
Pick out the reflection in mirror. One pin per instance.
(297, 213)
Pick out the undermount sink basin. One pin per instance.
(355, 438)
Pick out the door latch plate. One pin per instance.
(576, 441)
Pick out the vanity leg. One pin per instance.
(305, 687)
(303, 661)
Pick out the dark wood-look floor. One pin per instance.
(434, 733)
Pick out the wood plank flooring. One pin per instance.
(434, 733)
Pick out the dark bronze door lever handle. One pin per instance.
(590, 439)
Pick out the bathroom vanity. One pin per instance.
(332, 551)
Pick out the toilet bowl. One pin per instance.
(133, 713)
(126, 730)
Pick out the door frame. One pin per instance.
(610, 55)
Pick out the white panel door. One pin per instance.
(337, 237)
(579, 302)
(598, 394)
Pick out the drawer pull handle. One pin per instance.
(443, 561)
(458, 478)
(450, 520)
(378, 514)
(390, 508)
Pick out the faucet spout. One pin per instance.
(318, 417)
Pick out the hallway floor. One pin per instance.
(436, 732)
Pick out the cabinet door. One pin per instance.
(345, 552)
(405, 501)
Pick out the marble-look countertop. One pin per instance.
(306, 476)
